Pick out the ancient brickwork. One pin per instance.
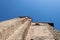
(23, 28)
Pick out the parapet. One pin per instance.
(24, 17)
(42, 24)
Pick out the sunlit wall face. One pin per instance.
(38, 10)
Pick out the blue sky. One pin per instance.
(38, 10)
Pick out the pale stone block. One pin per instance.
(9, 27)
(19, 33)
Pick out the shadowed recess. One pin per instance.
(52, 24)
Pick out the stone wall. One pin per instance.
(23, 28)
(8, 27)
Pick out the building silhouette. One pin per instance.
(23, 28)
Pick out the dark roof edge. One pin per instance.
(24, 17)
(50, 23)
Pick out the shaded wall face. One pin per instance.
(40, 31)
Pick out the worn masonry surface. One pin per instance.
(23, 28)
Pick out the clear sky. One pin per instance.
(38, 10)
